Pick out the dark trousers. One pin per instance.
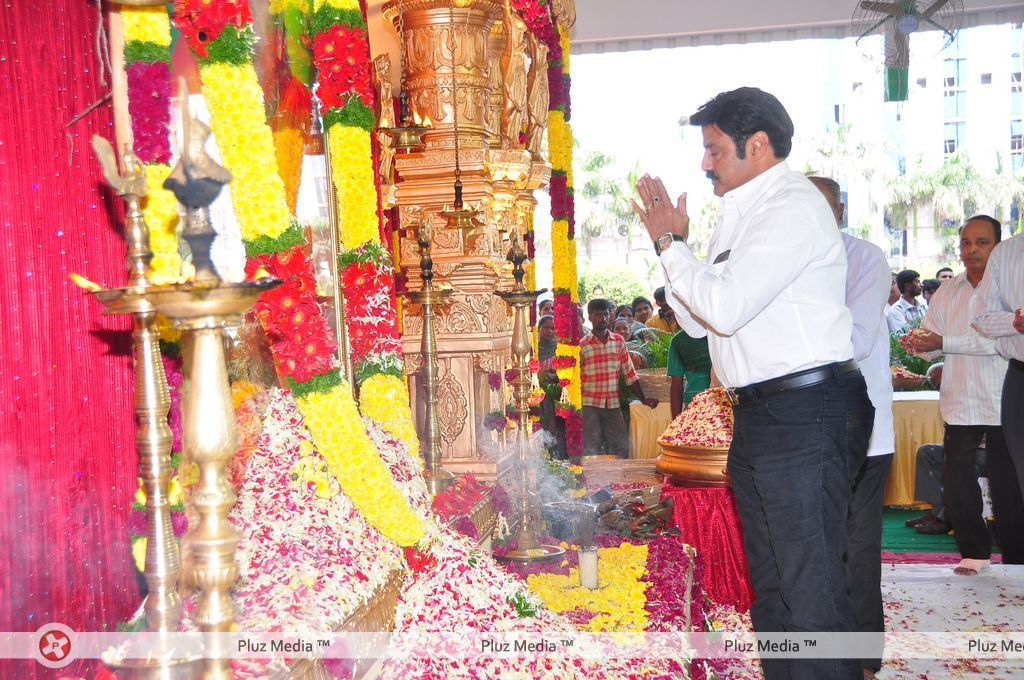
(604, 431)
(864, 550)
(962, 495)
(928, 476)
(792, 463)
(1013, 431)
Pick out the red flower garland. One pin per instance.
(202, 21)
(296, 327)
(342, 67)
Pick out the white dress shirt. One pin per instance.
(1000, 294)
(867, 295)
(902, 314)
(774, 303)
(972, 372)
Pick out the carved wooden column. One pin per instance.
(474, 331)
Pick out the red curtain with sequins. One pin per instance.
(67, 455)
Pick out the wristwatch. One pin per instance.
(664, 241)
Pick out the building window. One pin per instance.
(954, 72)
(953, 137)
(986, 78)
(1015, 93)
(1017, 144)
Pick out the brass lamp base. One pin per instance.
(437, 480)
(541, 552)
(155, 669)
(406, 138)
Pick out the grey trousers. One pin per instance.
(604, 431)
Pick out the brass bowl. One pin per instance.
(694, 466)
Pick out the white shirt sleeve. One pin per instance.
(867, 289)
(726, 296)
(684, 318)
(991, 316)
(937, 319)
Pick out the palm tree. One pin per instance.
(606, 206)
(1006, 188)
(958, 190)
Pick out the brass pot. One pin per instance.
(693, 466)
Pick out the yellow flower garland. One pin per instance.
(382, 399)
(288, 149)
(146, 24)
(237, 118)
(238, 121)
(620, 599)
(160, 208)
(352, 176)
(337, 429)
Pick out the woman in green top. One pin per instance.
(689, 361)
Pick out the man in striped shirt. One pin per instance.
(603, 358)
(972, 380)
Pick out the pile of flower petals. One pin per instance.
(706, 423)
(468, 591)
(305, 562)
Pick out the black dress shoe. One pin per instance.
(933, 526)
(917, 520)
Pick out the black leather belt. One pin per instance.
(793, 381)
(1019, 365)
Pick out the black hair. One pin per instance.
(944, 269)
(546, 317)
(997, 226)
(931, 285)
(599, 305)
(640, 299)
(659, 292)
(743, 112)
(905, 277)
(618, 310)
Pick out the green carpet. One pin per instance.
(896, 537)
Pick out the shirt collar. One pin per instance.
(745, 195)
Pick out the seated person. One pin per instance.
(928, 487)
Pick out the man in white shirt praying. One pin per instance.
(969, 397)
(771, 301)
(867, 291)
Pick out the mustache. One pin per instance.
(711, 175)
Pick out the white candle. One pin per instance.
(588, 567)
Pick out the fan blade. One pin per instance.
(871, 29)
(893, 9)
(950, 35)
(936, 6)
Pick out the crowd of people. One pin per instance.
(804, 358)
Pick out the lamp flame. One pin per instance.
(84, 283)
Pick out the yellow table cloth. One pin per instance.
(645, 426)
(916, 421)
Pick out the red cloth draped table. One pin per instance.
(709, 522)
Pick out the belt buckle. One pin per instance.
(734, 398)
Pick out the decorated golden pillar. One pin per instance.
(470, 59)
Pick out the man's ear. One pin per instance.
(758, 145)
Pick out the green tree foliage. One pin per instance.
(620, 283)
